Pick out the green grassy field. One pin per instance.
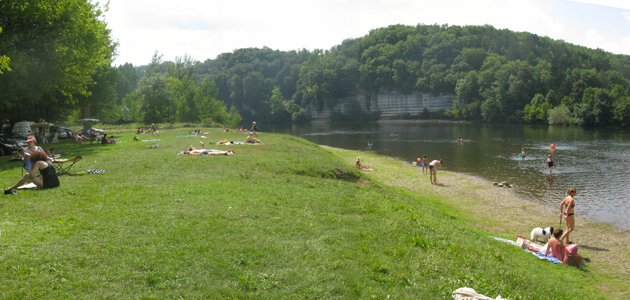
(283, 220)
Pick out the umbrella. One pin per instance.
(88, 120)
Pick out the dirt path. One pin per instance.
(503, 213)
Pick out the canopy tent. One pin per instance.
(87, 123)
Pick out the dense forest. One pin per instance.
(497, 76)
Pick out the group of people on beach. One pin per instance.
(566, 251)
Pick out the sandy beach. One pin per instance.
(501, 212)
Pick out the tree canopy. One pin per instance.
(59, 50)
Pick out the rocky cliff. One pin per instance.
(391, 104)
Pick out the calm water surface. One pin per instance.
(596, 161)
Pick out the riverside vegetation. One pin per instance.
(288, 219)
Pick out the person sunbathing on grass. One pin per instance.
(205, 152)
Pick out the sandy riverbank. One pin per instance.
(503, 213)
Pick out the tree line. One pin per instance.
(498, 75)
(55, 68)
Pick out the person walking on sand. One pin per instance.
(568, 213)
(433, 170)
(550, 163)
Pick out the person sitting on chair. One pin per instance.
(32, 148)
(39, 162)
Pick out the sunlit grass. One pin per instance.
(283, 220)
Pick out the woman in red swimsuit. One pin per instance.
(568, 213)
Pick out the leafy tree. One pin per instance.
(560, 115)
(537, 110)
(183, 93)
(157, 106)
(4, 61)
(56, 48)
(126, 81)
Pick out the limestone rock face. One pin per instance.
(391, 104)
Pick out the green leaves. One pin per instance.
(55, 48)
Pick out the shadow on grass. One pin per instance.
(593, 248)
(73, 149)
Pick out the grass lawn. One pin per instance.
(283, 220)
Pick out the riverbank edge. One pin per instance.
(502, 212)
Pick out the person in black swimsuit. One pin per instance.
(39, 161)
(568, 213)
(549, 163)
(254, 128)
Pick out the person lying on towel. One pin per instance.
(205, 152)
(39, 162)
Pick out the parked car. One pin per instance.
(99, 131)
(13, 138)
(23, 128)
(64, 132)
(6, 147)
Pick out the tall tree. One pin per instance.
(55, 47)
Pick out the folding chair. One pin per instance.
(55, 138)
(63, 166)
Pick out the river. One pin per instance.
(595, 161)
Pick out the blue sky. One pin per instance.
(204, 29)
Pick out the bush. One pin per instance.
(560, 115)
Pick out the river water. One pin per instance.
(595, 161)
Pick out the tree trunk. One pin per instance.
(86, 115)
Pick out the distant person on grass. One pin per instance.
(433, 170)
(251, 139)
(39, 162)
(205, 152)
(154, 130)
(254, 128)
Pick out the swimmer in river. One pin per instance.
(550, 163)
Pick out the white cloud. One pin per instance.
(205, 28)
(623, 4)
(626, 15)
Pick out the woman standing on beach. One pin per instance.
(568, 213)
(433, 170)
